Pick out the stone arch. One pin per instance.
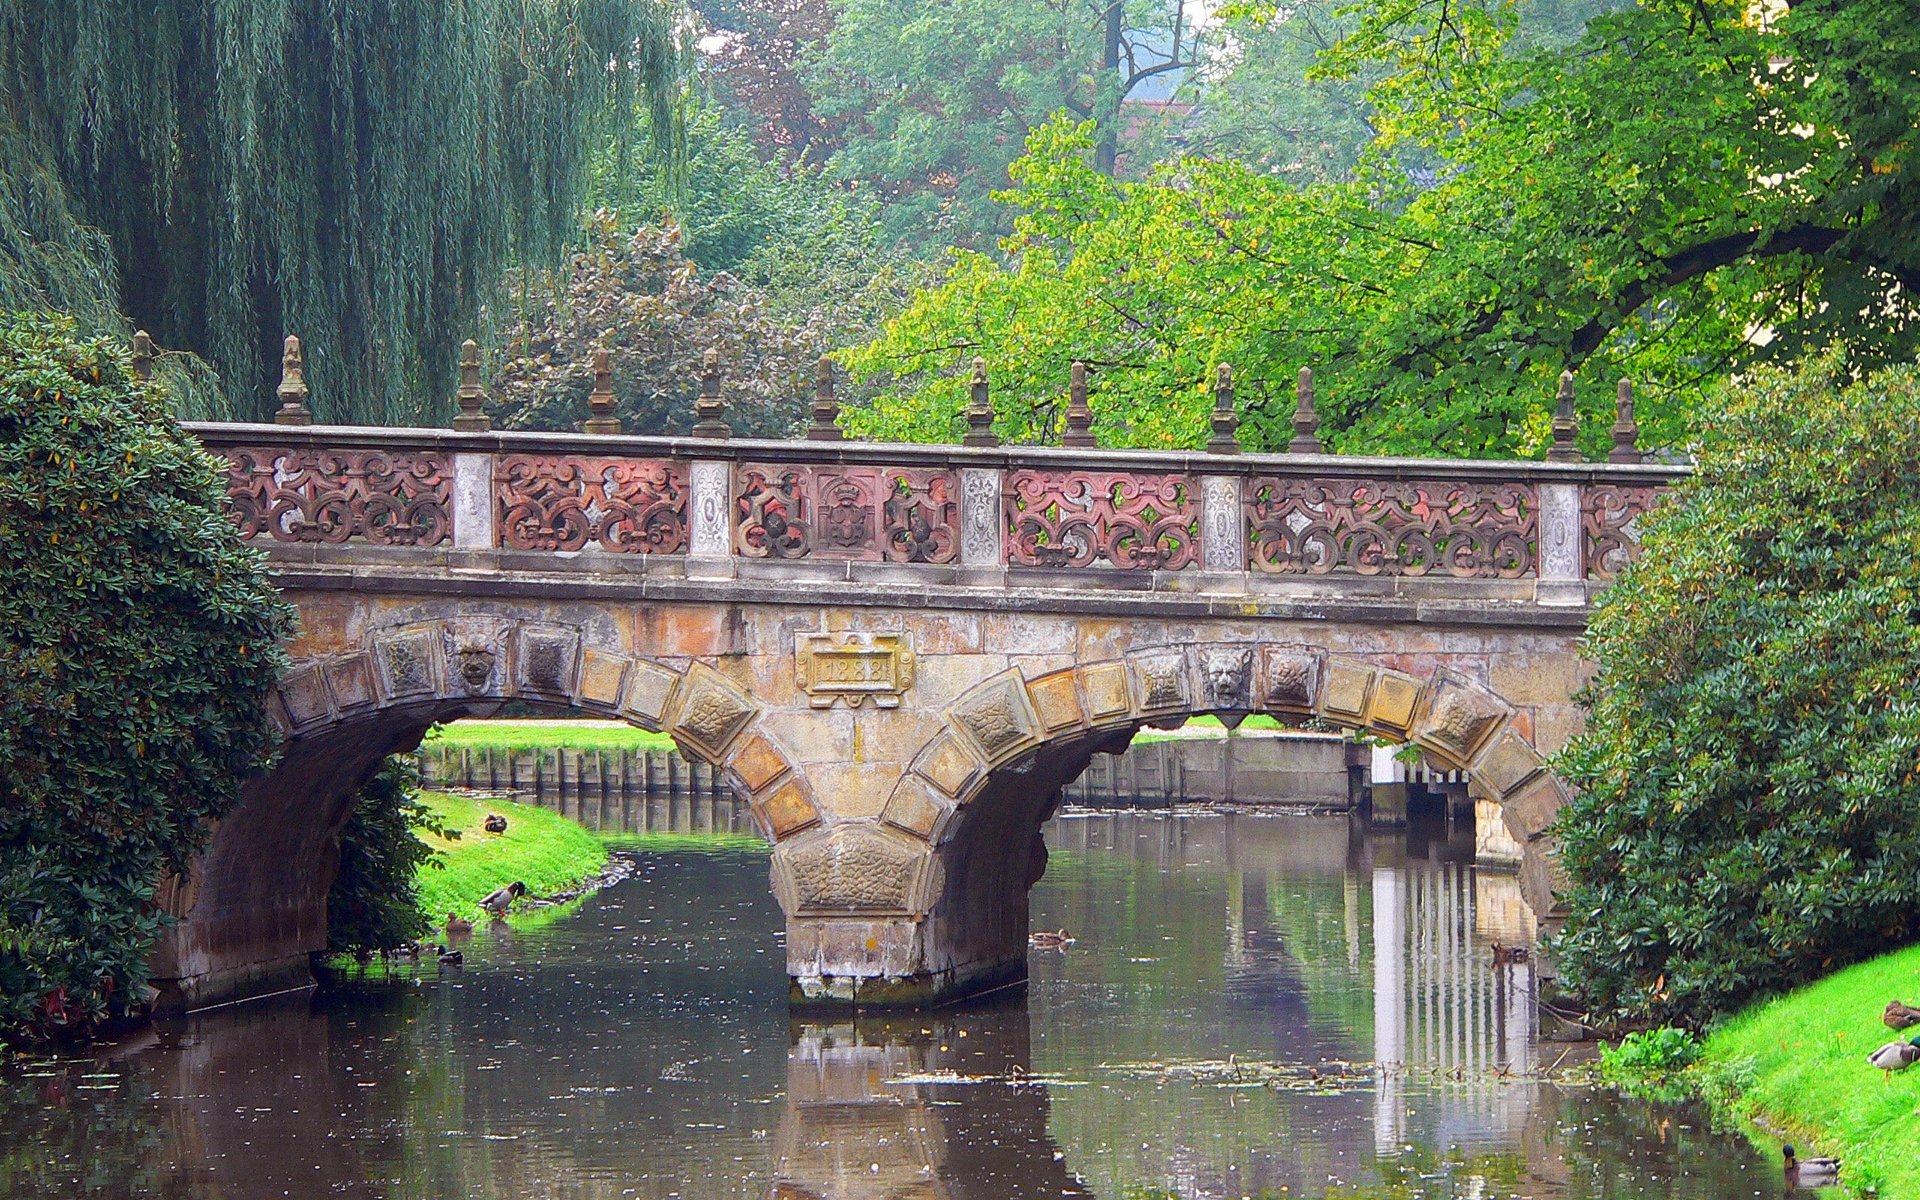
(960, 830)
(253, 910)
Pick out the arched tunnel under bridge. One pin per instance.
(905, 829)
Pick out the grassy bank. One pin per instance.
(519, 737)
(1797, 1066)
(545, 851)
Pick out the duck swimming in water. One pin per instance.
(458, 924)
(1050, 939)
(1810, 1172)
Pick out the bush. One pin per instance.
(375, 903)
(138, 641)
(1649, 1063)
(1748, 814)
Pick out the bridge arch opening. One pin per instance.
(959, 843)
(252, 911)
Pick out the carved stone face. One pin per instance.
(476, 666)
(1228, 673)
(473, 652)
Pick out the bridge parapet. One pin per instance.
(1030, 517)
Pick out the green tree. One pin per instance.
(375, 901)
(934, 100)
(1682, 192)
(1748, 809)
(138, 642)
(634, 294)
(355, 171)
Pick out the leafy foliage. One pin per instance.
(138, 641)
(1749, 781)
(1650, 1063)
(375, 901)
(1684, 191)
(637, 296)
(355, 171)
(753, 58)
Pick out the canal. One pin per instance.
(1253, 1005)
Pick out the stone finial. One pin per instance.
(143, 356)
(600, 401)
(1626, 432)
(710, 409)
(826, 410)
(1079, 416)
(293, 386)
(1306, 422)
(472, 397)
(1226, 421)
(1565, 423)
(980, 409)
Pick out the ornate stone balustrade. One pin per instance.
(940, 515)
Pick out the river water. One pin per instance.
(1253, 1006)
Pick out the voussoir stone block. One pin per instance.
(304, 691)
(601, 677)
(854, 869)
(1507, 764)
(1533, 807)
(1056, 701)
(711, 711)
(350, 679)
(787, 809)
(949, 764)
(409, 662)
(994, 716)
(650, 688)
(548, 660)
(1460, 716)
(1289, 679)
(1160, 682)
(918, 809)
(1391, 706)
(1349, 686)
(1226, 677)
(756, 762)
(1104, 687)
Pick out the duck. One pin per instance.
(1504, 955)
(1050, 939)
(1895, 1056)
(497, 902)
(1810, 1172)
(495, 823)
(458, 924)
(452, 958)
(1899, 1015)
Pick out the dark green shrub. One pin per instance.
(138, 641)
(1749, 807)
(375, 904)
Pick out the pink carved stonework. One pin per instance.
(563, 502)
(869, 514)
(1610, 518)
(335, 496)
(1390, 527)
(1078, 518)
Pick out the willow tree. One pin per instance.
(358, 172)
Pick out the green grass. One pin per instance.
(1211, 725)
(1797, 1065)
(543, 850)
(518, 737)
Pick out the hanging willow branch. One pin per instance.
(358, 172)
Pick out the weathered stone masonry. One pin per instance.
(898, 655)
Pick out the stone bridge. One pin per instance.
(898, 655)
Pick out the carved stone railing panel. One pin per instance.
(564, 502)
(1376, 527)
(333, 496)
(1610, 515)
(867, 514)
(1079, 518)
